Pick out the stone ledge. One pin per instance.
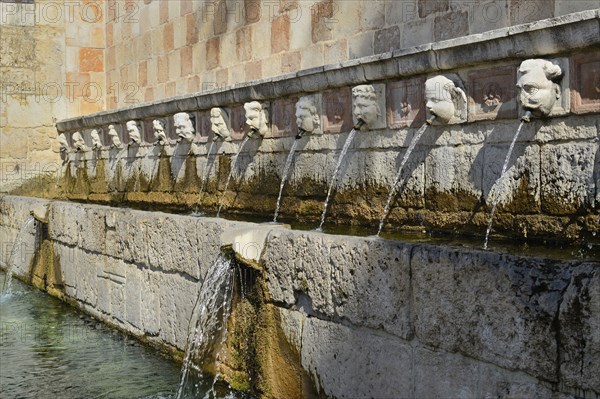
(551, 36)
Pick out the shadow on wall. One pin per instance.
(492, 155)
(597, 174)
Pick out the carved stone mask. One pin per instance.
(364, 104)
(184, 127)
(256, 117)
(96, 142)
(159, 131)
(78, 142)
(538, 90)
(112, 133)
(218, 125)
(307, 118)
(444, 100)
(62, 140)
(134, 132)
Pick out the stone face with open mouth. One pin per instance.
(307, 117)
(184, 127)
(537, 83)
(445, 100)
(219, 125)
(257, 118)
(364, 106)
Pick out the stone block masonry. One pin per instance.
(369, 317)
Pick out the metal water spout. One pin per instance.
(359, 124)
(431, 119)
(251, 133)
(527, 116)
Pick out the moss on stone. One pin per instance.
(43, 186)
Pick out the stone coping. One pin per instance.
(540, 38)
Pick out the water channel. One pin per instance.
(50, 349)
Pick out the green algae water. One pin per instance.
(49, 349)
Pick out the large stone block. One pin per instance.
(581, 128)
(150, 302)
(173, 244)
(126, 230)
(519, 189)
(568, 177)
(64, 219)
(89, 289)
(442, 374)
(177, 298)
(496, 382)
(488, 306)
(92, 229)
(341, 278)
(292, 323)
(348, 362)
(18, 246)
(65, 261)
(453, 177)
(455, 376)
(579, 340)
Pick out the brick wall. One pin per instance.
(160, 49)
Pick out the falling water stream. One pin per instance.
(409, 150)
(500, 181)
(17, 246)
(209, 322)
(204, 178)
(335, 175)
(233, 163)
(284, 176)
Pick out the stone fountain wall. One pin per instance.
(552, 189)
(368, 318)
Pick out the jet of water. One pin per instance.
(284, 176)
(500, 180)
(409, 150)
(205, 177)
(335, 175)
(15, 248)
(233, 163)
(209, 322)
